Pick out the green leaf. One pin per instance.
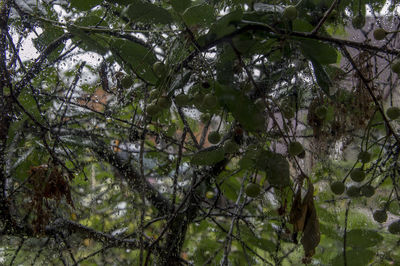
(89, 43)
(208, 157)
(49, 34)
(277, 169)
(224, 65)
(241, 107)
(244, 43)
(328, 230)
(30, 106)
(205, 250)
(180, 81)
(356, 257)
(33, 158)
(85, 4)
(145, 12)
(226, 24)
(121, 2)
(180, 5)
(199, 14)
(319, 52)
(261, 243)
(302, 25)
(137, 56)
(362, 238)
(91, 19)
(322, 77)
(230, 188)
(326, 216)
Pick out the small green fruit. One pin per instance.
(321, 112)
(364, 156)
(353, 191)
(214, 137)
(230, 146)
(367, 191)
(380, 34)
(159, 69)
(395, 66)
(182, 100)
(290, 13)
(357, 175)
(210, 101)
(393, 113)
(394, 228)
(380, 216)
(252, 190)
(358, 21)
(295, 148)
(210, 195)
(337, 187)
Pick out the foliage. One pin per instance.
(198, 132)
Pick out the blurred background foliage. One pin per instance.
(183, 132)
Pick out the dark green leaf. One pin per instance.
(230, 188)
(92, 19)
(145, 12)
(241, 107)
(89, 43)
(226, 24)
(137, 56)
(319, 52)
(357, 257)
(362, 238)
(49, 34)
(262, 243)
(121, 2)
(85, 4)
(180, 5)
(208, 157)
(199, 14)
(277, 169)
(322, 77)
(302, 25)
(329, 230)
(180, 81)
(244, 43)
(224, 65)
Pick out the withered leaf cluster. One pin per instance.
(304, 218)
(48, 183)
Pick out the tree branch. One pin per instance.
(134, 179)
(37, 66)
(62, 224)
(371, 93)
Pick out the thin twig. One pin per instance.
(325, 17)
(345, 233)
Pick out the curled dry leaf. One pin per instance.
(304, 218)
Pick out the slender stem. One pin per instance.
(345, 233)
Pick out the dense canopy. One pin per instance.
(222, 132)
